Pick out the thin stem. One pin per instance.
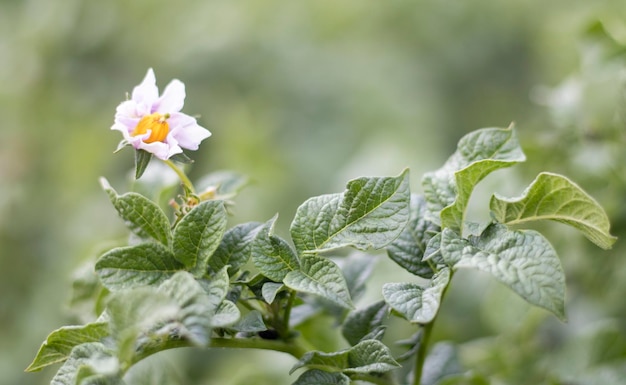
(287, 315)
(426, 332)
(386, 379)
(421, 352)
(292, 347)
(181, 174)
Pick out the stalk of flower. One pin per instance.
(155, 124)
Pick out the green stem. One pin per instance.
(426, 332)
(181, 174)
(292, 347)
(421, 352)
(285, 326)
(386, 379)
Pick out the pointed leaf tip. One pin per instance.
(555, 197)
(448, 189)
(370, 213)
(142, 159)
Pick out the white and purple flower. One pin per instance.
(154, 123)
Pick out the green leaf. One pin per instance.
(142, 159)
(365, 357)
(269, 291)
(136, 316)
(133, 266)
(89, 358)
(356, 269)
(198, 234)
(417, 304)
(320, 276)
(59, 344)
(554, 197)
(217, 288)
(250, 323)
(479, 153)
(441, 362)
(433, 250)
(523, 260)
(143, 217)
(320, 377)
(408, 249)
(370, 214)
(362, 322)
(235, 247)
(225, 315)
(181, 158)
(193, 321)
(272, 255)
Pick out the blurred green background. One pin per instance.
(302, 96)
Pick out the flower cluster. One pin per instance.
(154, 123)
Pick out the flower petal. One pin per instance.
(173, 98)
(187, 131)
(146, 93)
(160, 149)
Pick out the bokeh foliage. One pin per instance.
(302, 96)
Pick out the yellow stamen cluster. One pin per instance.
(157, 124)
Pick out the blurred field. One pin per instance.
(303, 96)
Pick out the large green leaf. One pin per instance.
(193, 319)
(371, 213)
(87, 360)
(252, 322)
(320, 276)
(320, 377)
(363, 322)
(198, 234)
(272, 255)
(59, 344)
(365, 357)
(554, 197)
(479, 153)
(217, 288)
(226, 314)
(417, 304)
(142, 216)
(235, 248)
(523, 260)
(133, 266)
(136, 316)
(441, 363)
(408, 249)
